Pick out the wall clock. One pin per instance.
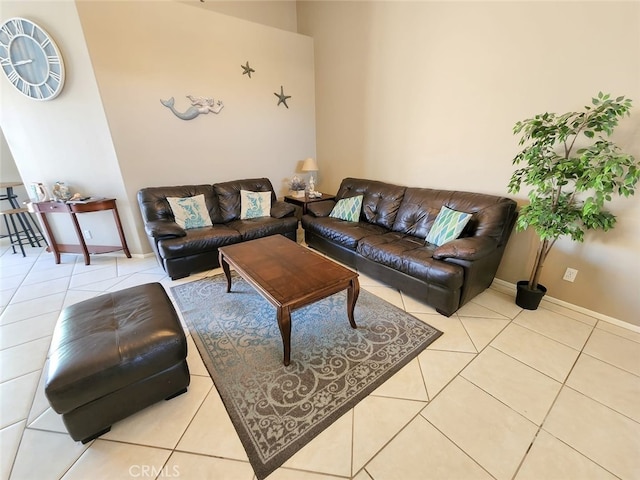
(30, 59)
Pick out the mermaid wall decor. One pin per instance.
(198, 105)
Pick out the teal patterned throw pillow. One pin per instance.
(190, 212)
(348, 209)
(448, 226)
(254, 204)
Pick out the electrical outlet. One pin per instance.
(87, 234)
(570, 274)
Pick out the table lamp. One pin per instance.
(310, 165)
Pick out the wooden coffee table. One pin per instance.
(289, 276)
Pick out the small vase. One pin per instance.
(527, 298)
(61, 192)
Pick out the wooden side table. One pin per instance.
(305, 201)
(72, 209)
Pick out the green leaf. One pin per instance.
(568, 191)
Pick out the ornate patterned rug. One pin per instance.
(276, 410)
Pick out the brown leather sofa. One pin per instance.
(388, 242)
(182, 252)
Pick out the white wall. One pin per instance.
(427, 93)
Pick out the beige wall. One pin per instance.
(419, 93)
(107, 132)
(66, 139)
(427, 93)
(279, 14)
(157, 57)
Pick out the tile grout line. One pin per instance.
(419, 414)
(26, 421)
(541, 426)
(581, 351)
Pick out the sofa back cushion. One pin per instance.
(493, 216)
(228, 195)
(418, 211)
(155, 206)
(380, 202)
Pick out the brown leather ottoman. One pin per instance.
(114, 355)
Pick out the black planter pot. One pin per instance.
(527, 298)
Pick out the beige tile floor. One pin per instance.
(503, 394)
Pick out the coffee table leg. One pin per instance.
(352, 297)
(284, 322)
(225, 267)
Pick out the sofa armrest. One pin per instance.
(282, 209)
(468, 248)
(164, 229)
(321, 209)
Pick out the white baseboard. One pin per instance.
(510, 288)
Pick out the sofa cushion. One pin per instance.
(410, 255)
(198, 240)
(164, 229)
(380, 202)
(418, 211)
(190, 212)
(321, 209)
(448, 226)
(253, 228)
(388, 248)
(254, 204)
(420, 264)
(348, 209)
(346, 234)
(282, 209)
(154, 205)
(228, 195)
(492, 215)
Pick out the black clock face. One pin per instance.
(30, 59)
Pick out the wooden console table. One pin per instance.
(44, 208)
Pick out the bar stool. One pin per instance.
(27, 226)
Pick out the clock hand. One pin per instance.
(23, 62)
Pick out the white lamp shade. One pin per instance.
(309, 165)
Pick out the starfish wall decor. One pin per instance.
(282, 98)
(247, 70)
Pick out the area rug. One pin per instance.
(276, 410)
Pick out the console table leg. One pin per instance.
(51, 241)
(123, 241)
(284, 322)
(352, 297)
(83, 244)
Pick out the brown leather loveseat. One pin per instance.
(183, 251)
(388, 241)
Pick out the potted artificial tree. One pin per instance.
(572, 171)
